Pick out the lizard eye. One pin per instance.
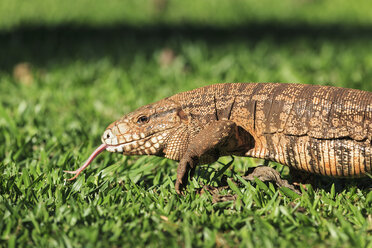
(142, 119)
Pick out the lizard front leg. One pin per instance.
(207, 146)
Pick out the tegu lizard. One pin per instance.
(318, 129)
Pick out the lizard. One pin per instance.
(323, 130)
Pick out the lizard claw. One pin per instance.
(179, 186)
(100, 149)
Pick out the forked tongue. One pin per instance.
(100, 149)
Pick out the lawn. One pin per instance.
(66, 72)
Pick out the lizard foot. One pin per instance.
(186, 165)
(268, 174)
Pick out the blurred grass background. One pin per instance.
(69, 68)
(178, 13)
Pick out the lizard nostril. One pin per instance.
(108, 135)
(109, 138)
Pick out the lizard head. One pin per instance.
(144, 131)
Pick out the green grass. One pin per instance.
(177, 12)
(82, 78)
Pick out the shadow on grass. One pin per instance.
(43, 45)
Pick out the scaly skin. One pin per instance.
(318, 129)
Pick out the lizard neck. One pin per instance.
(177, 142)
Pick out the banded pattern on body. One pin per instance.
(320, 129)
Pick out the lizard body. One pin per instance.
(318, 129)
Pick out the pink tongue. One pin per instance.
(100, 149)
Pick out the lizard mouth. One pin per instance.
(127, 147)
(136, 144)
(149, 146)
